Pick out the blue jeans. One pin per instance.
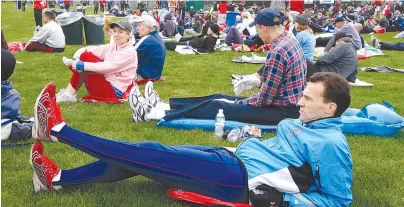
(207, 107)
(392, 46)
(210, 171)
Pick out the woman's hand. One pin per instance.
(78, 65)
(74, 67)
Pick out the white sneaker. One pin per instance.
(178, 37)
(64, 96)
(151, 95)
(61, 92)
(138, 104)
(67, 61)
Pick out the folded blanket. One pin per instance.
(382, 69)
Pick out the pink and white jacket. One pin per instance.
(119, 63)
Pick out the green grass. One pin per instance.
(378, 161)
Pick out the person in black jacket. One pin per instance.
(204, 44)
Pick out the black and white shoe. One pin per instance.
(152, 97)
(138, 104)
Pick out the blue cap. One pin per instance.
(340, 19)
(267, 17)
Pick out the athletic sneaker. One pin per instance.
(46, 114)
(375, 42)
(178, 37)
(138, 104)
(152, 97)
(64, 96)
(44, 169)
(67, 61)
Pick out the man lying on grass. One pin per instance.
(281, 84)
(307, 163)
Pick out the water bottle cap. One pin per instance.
(220, 110)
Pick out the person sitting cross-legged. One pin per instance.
(50, 37)
(281, 83)
(307, 163)
(341, 59)
(107, 71)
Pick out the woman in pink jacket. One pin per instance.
(107, 71)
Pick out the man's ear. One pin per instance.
(331, 108)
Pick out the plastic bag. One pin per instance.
(68, 18)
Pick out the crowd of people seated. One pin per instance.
(305, 96)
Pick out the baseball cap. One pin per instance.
(267, 17)
(148, 19)
(340, 19)
(123, 24)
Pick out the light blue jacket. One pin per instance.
(10, 101)
(310, 163)
(307, 42)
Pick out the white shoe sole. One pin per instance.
(38, 186)
(36, 120)
(35, 126)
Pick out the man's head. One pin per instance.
(350, 18)
(121, 31)
(146, 25)
(339, 22)
(49, 16)
(268, 24)
(302, 22)
(343, 37)
(7, 64)
(326, 95)
(214, 29)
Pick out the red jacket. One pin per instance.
(39, 4)
(297, 5)
(222, 8)
(67, 2)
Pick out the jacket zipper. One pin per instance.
(317, 176)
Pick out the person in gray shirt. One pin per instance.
(50, 37)
(347, 27)
(341, 59)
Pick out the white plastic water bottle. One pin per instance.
(219, 125)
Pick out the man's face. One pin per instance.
(312, 105)
(338, 25)
(263, 33)
(143, 30)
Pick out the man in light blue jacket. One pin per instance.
(307, 163)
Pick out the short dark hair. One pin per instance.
(336, 90)
(50, 15)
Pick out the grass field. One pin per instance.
(378, 161)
